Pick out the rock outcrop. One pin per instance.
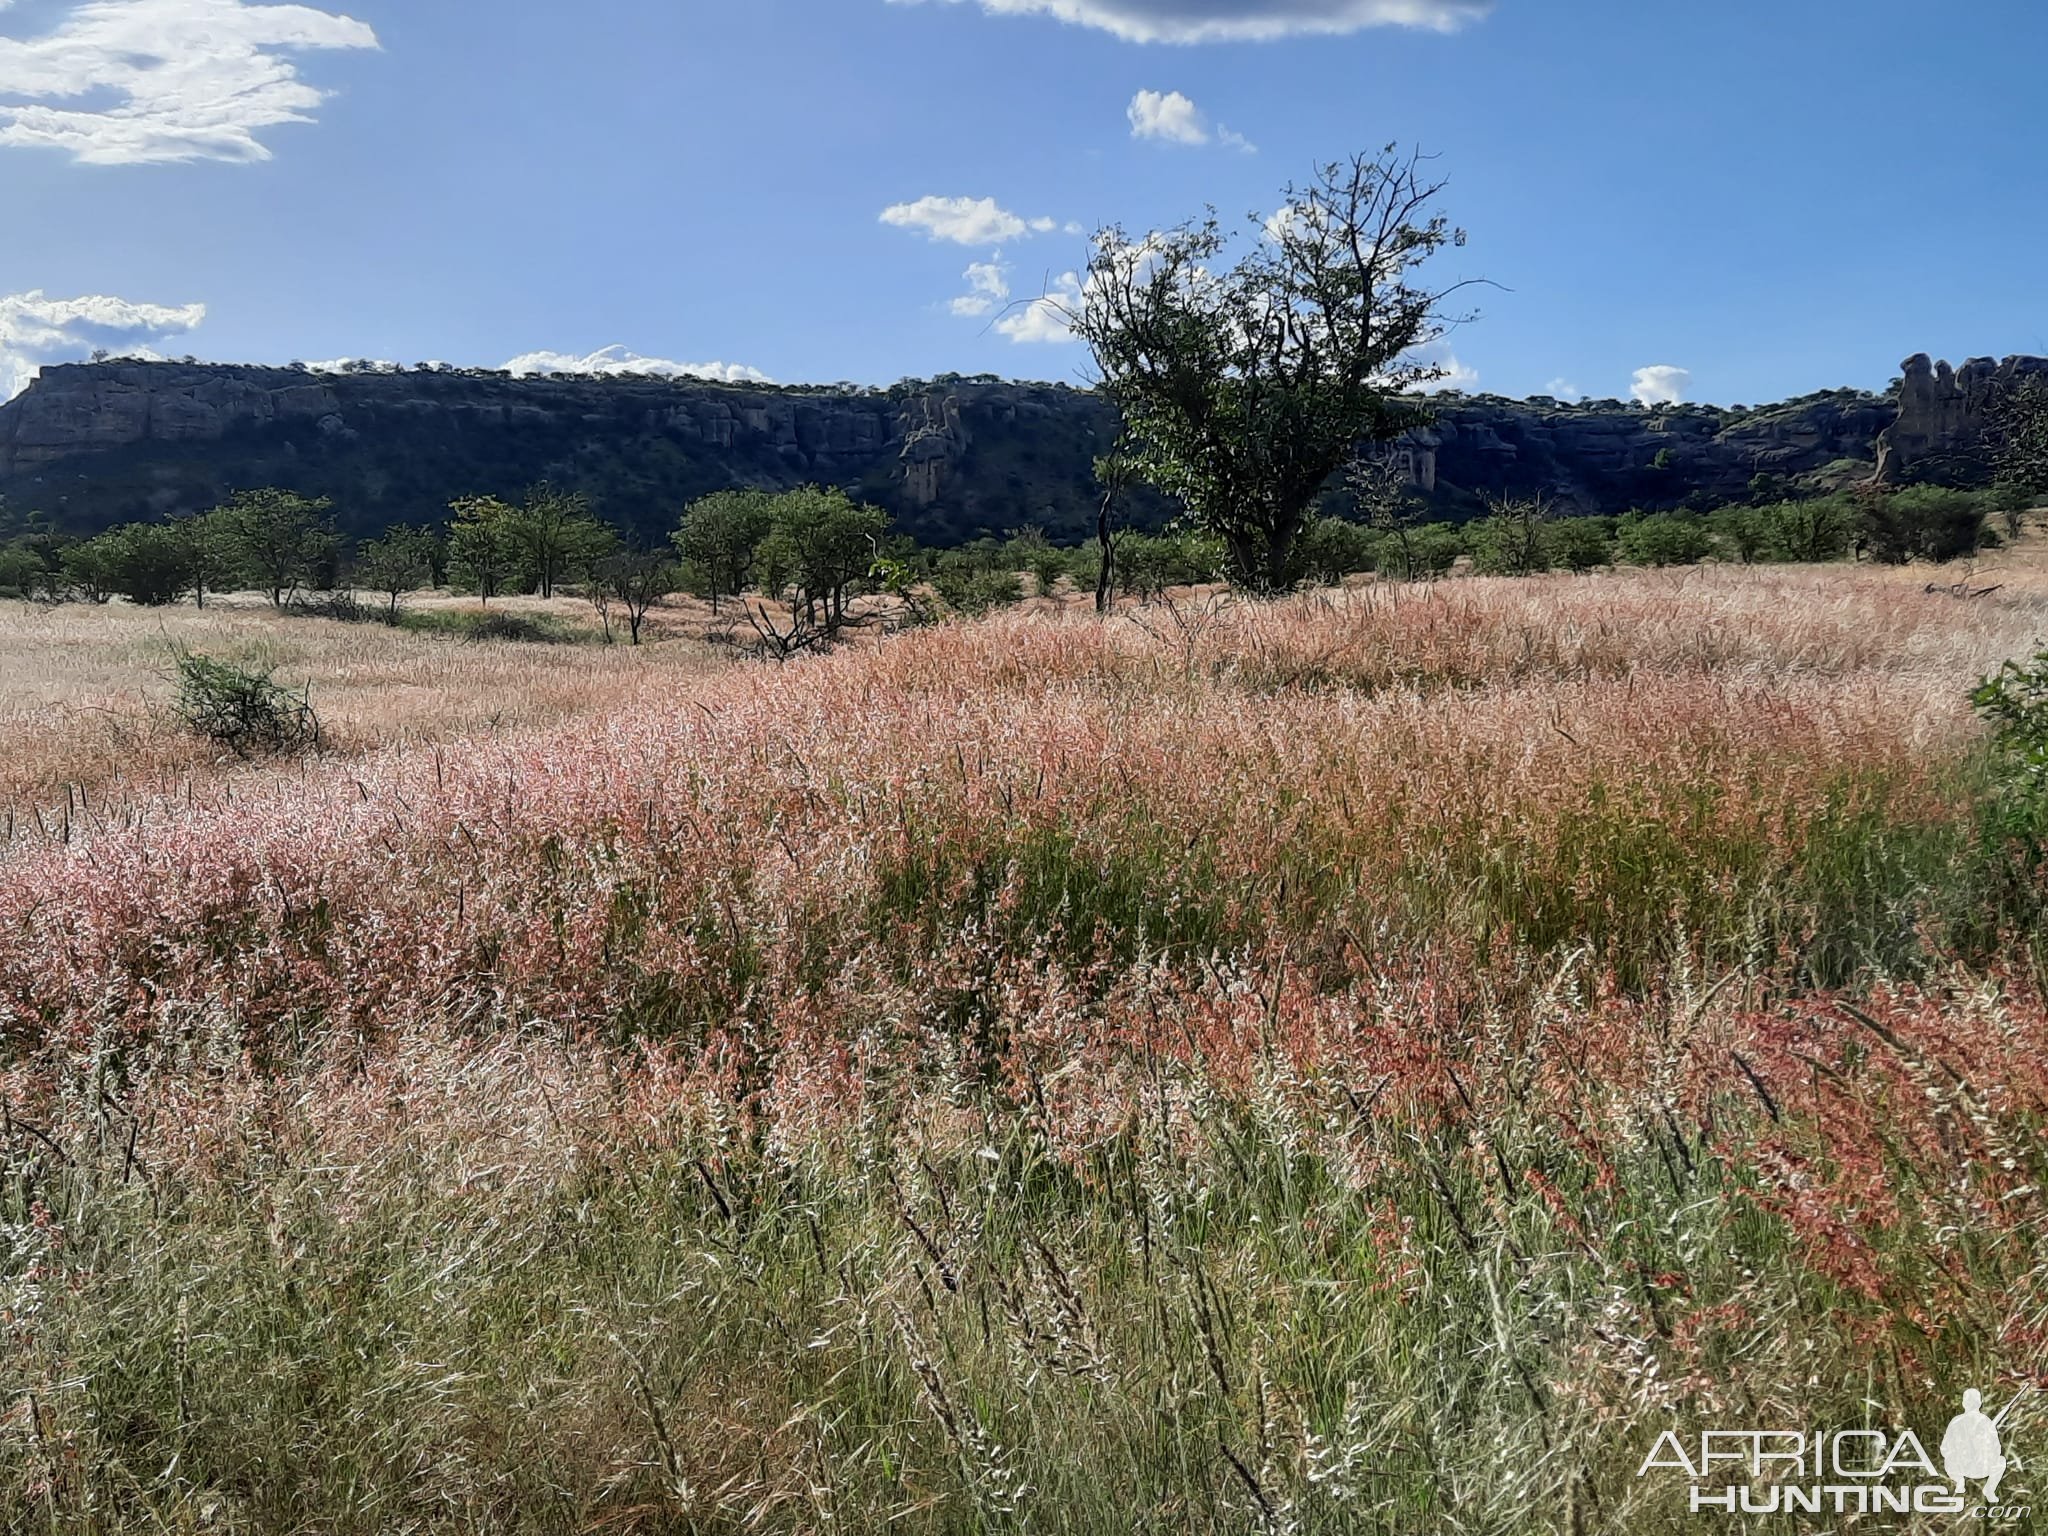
(1944, 413)
(92, 444)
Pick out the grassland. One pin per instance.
(1362, 1063)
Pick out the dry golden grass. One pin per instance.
(85, 691)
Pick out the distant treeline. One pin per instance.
(812, 552)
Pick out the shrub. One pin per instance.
(1031, 551)
(1146, 565)
(1580, 543)
(150, 564)
(1821, 528)
(490, 624)
(1511, 541)
(243, 707)
(1332, 549)
(345, 607)
(1414, 553)
(1922, 522)
(970, 587)
(1664, 538)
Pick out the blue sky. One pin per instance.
(1763, 197)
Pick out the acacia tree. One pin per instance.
(633, 578)
(717, 541)
(554, 533)
(278, 540)
(820, 549)
(480, 544)
(1244, 388)
(394, 565)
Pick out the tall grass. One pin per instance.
(1346, 1065)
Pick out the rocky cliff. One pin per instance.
(92, 444)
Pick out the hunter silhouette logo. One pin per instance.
(1971, 1448)
(1844, 1472)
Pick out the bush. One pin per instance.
(1664, 538)
(1415, 553)
(1922, 522)
(971, 588)
(1147, 565)
(1511, 542)
(1332, 549)
(242, 707)
(1047, 562)
(1809, 531)
(344, 606)
(1580, 543)
(490, 624)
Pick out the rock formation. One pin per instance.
(92, 444)
(1943, 414)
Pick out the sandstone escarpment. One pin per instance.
(91, 444)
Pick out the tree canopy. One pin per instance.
(1243, 388)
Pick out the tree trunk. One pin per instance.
(1105, 576)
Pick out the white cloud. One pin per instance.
(1169, 116)
(1048, 318)
(1662, 385)
(965, 220)
(1172, 118)
(141, 82)
(1563, 389)
(1239, 21)
(35, 330)
(1453, 374)
(616, 360)
(988, 285)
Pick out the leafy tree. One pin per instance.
(213, 565)
(22, 571)
(1030, 550)
(277, 541)
(398, 563)
(34, 563)
(820, 547)
(974, 587)
(151, 564)
(1740, 530)
(718, 539)
(1428, 550)
(1244, 388)
(1147, 565)
(88, 568)
(1820, 528)
(553, 533)
(481, 550)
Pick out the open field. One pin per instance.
(1368, 1062)
(84, 691)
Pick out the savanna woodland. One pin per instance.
(1305, 1016)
